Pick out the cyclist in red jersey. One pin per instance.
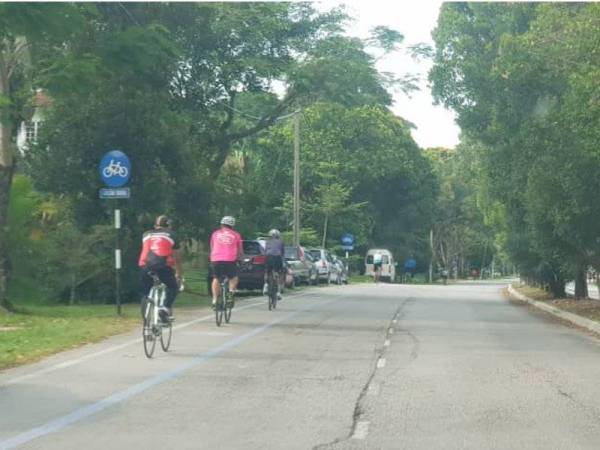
(225, 251)
(160, 256)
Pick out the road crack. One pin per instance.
(359, 412)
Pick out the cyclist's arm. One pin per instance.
(240, 250)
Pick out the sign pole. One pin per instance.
(115, 171)
(118, 259)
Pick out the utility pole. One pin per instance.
(296, 237)
(432, 255)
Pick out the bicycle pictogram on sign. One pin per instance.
(115, 169)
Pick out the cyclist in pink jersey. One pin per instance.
(225, 251)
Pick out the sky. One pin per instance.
(415, 20)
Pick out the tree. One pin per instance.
(21, 25)
(516, 76)
(360, 171)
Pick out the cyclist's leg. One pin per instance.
(167, 276)
(145, 286)
(268, 273)
(231, 272)
(216, 285)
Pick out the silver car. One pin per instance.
(301, 264)
(325, 267)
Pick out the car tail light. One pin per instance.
(261, 259)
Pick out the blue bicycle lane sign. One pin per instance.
(115, 169)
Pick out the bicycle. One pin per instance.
(273, 288)
(154, 327)
(224, 303)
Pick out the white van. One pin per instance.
(388, 266)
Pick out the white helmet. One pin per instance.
(228, 220)
(274, 233)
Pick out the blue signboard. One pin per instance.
(410, 264)
(115, 169)
(347, 241)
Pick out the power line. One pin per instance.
(129, 14)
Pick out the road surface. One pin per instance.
(348, 367)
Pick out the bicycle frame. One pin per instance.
(153, 327)
(223, 307)
(157, 297)
(273, 287)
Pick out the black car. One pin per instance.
(251, 268)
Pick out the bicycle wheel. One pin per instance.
(165, 336)
(219, 307)
(147, 330)
(273, 283)
(227, 311)
(270, 291)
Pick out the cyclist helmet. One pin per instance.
(229, 221)
(162, 221)
(274, 233)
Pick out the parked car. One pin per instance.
(324, 262)
(252, 266)
(388, 266)
(301, 264)
(342, 270)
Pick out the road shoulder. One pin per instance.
(588, 311)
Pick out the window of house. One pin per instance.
(31, 130)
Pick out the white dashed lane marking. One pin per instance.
(361, 431)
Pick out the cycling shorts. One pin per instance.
(274, 264)
(377, 265)
(222, 269)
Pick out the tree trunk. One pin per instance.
(73, 289)
(483, 260)
(6, 172)
(325, 230)
(557, 287)
(581, 288)
(5, 182)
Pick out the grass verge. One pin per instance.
(590, 309)
(35, 331)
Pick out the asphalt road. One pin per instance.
(351, 367)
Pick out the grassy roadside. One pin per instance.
(35, 331)
(590, 309)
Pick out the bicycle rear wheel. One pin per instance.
(148, 336)
(165, 336)
(227, 312)
(273, 283)
(219, 307)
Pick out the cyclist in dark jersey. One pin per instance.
(274, 249)
(160, 256)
